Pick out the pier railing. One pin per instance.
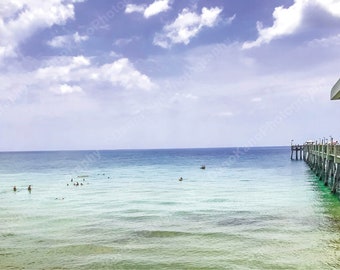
(332, 150)
(324, 160)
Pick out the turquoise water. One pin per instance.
(250, 209)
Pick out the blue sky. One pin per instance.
(85, 74)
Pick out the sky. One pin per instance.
(127, 74)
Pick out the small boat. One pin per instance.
(203, 167)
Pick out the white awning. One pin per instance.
(335, 93)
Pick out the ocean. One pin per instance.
(250, 208)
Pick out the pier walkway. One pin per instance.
(324, 160)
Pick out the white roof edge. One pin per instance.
(335, 93)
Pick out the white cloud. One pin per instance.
(72, 78)
(130, 8)
(190, 96)
(179, 97)
(59, 41)
(79, 70)
(256, 99)
(68, 89)
(187, 25)
(123, 73)
(155, 8)
(230, 19)
(289, 20)
(80, 60)
(65, 69)
(325, 42)
(20, 19)
(78, 38)
(67, 40)
(125, 41)
(225, 114)
(114, 54)
(7, 51)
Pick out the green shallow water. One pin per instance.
(262, 212)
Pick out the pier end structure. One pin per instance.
(298, 150)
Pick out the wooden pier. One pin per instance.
(324, 160)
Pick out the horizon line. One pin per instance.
(138, 149)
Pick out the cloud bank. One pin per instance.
(72, 75)
(288, 21)
(20, 19)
